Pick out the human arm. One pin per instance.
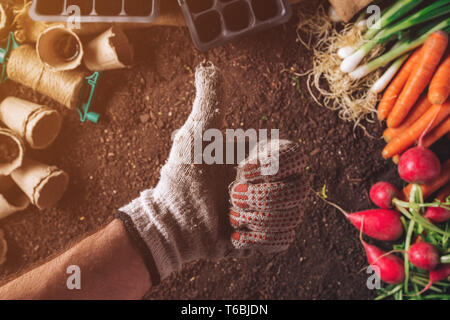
(194, 212)
(111, 268)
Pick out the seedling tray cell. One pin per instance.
(215, 22)
(137, 11)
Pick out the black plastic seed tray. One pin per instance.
(215, 22)
(139, 11)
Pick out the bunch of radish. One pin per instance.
(420, 167)
(426, 262)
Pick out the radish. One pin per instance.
(419, 165)
(437, 214)
(382, 194)
(390, 267)
(439, 274)
(380, 224)
(424, 255)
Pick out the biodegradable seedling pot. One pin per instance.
(38, 125)
(12, 199)
(3, 247)
(110, 50)
(59, 48)
(43, 184)
(12, 151)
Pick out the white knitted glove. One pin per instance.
(184, 218)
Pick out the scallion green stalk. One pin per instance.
(406, 46)
(433, 11)
(390, 16)
(395, 12)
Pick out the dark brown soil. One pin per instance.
(111, 162)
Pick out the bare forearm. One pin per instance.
(110, 268)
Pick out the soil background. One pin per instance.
(111, 162)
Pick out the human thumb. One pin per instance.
(207, 113)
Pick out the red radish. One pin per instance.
(380, 224)
(437, 214)
(382, 194)
(419, 165)
(429, 189)
(390, 267)
(439, 274)
(424, 255)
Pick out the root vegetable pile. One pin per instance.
(421, 230)
(413, 113)
(360, 60)
(403, 63)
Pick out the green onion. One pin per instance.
(406, 46)
(390, 73)
(431, 12)
(445, 259)
(388, 17)
(395, 12)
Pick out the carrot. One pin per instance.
(429, 189)
(392, 92)
(440, 131)
(428, 121)
(432, 52)
(440, 84)
(418, 110)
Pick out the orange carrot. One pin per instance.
(440, 131)
(392, 92)
(440, 84)
(429, 189)
(416, 112)
(428, 121)
(432, 52)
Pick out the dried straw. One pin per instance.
(64, 87)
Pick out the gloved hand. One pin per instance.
(186, 217)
